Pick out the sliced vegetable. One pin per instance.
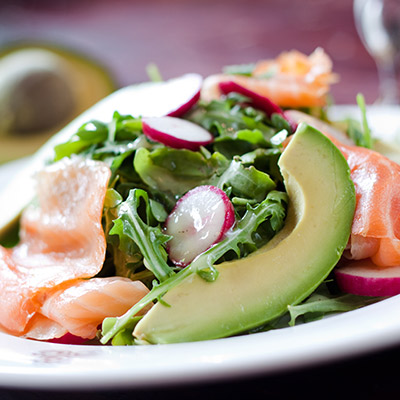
(200, 219)
(146, 99)
(366, 279)
(177, 133)
(271, 211)
(189, 94)
(68, 338)
(296, 117)
(262, 102)
(257, 289)
(291, 80)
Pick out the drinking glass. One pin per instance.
(378, 24)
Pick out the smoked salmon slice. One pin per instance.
(293, 79)
(82, 307)
(375, 231)
(62, 243)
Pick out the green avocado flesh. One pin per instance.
(254, 290)
(42, 88)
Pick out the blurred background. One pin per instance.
(109, 44)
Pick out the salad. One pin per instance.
(215, 207)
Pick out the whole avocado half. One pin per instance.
(254, 290)
(42, 88)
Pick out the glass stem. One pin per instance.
(389, 92)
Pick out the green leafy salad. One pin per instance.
(148, 178)
(198, 209)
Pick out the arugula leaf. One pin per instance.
(173, 172)
(242, 237)
(124, 127)
(154, 73)
(227, 116)
(93, 131)
(280, 123)
(360, 133)
(124, 337)
(90, 133)
(265, 160)
(254, 136)
(244, 181)
(272, 210)
(124, 253)
(240, 69)
(323, 302)
(243, 141)
(230, 147)
(148, 237)
(95, 137)
(367, 131)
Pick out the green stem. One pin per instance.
(156, 293)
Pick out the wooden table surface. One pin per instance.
(202, 36)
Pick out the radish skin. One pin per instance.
(189, 92)
(296, 117)
(364, 278)
(142, 100)
(192, 93)
(175, 132)
(199, 220)
(258, 100)
(68, 338)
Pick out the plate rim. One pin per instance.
(69, 367)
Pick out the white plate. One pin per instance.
(29, 364)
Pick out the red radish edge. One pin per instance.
(259, 101)
(185, 107)
(229, 218)
(191, 97)
(68, 338)
(172, 97)
(363, 278)
(293, 124)
(165, 130)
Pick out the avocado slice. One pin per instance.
(251, 291)
(43, 87)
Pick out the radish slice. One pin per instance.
(186, 94)
(364, 278)
(199, 220)
(175, 132)
(153, 99)
(296, 117)
(259, 101)
(68, 338)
